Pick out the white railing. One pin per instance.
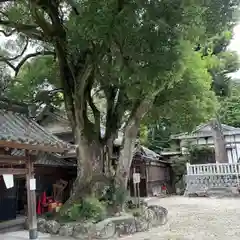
(213, 169)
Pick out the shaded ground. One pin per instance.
(189, 218)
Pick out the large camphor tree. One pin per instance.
(130, 52)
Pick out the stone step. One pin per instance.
(12, 225)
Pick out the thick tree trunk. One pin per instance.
(130, 137)
(90, 167)
(126, 154)
(219, 142)
(91, 179)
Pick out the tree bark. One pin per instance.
(126, 154)
(129, 144)
(90, 179)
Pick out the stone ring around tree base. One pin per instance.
(151, 216)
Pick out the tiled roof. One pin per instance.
(51, 160)
(18, 128)
(205, 130)
(59, 124)
(149, 153)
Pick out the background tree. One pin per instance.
(219, 62)
(132, 51)
(229, 110)
(185, 106)
(224, 62)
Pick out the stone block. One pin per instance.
(41, 225)
(66, 230)
(159, 215)
(84, 231)
(125, 225)
(105, 229)
(52, 227)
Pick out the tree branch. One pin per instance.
(96, 112)
(73, 6)
(29, 30)
(24, 59)
(115, 111)
(18, 26)
(31, 55)
(120, 4)
(39, 18)
(19, 55)
(8, 34)
(8, 63)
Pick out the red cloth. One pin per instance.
(164, 188)
(44, 198)
(39, 210)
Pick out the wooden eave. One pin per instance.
(12, 160)
(37, 147)
(14, 171)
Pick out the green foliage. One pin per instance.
(197, 155)
(73, 213)
(178, 167)
(32, 78)
(221, 61)
(229, 110)
(201, 155)
(115, 195)
(88, 209)
(92, 208)
(138, 53)
(184, 106)
(159, 135)
(192, 103)
(143, 134)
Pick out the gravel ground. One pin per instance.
(196, 218)
(189, 219)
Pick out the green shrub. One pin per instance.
(74, 212)
(92, 208)
(89, 209)
(115, 195)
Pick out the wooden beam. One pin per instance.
(14, 171)
(9, 157)
(5, 163)
(11, 160)
(37, 147)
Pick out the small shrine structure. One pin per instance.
(21, 139)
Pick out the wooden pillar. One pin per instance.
(146, 174)
(31, 199)
(134, 187)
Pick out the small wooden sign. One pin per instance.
(136, 178)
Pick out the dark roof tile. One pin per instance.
(17, 127)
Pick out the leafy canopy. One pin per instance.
(132, 51)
